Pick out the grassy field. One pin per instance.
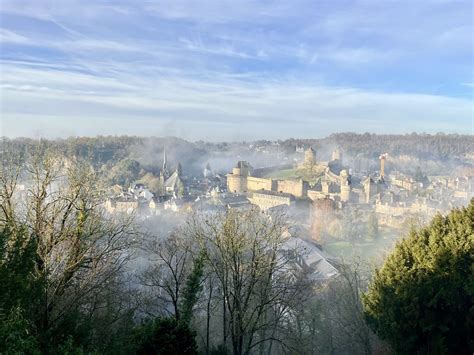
(293, 174)
(283, 174)
(373, 252)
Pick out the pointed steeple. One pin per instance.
(164, 170)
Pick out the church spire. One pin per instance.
(164, 170)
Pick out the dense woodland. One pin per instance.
(218, 284)
(104, 149)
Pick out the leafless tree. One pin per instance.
(345, 311)
(80, 248)
(256, 283)
(332, 320)
(170, 260)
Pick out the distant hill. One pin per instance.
(358, 149)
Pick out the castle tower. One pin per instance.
(337, 154)
(345, 186)
(310, 156)
(237, 181)
(370, 189)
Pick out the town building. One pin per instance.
(269, 199)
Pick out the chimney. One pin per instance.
(382, 158)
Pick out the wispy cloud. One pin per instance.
(283, 68)
(262, 107)
(7, 36)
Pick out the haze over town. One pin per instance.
(236, 177)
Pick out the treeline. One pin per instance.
(109, 150)
(423, 146)
(76, 280)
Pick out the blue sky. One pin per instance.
(235, 69)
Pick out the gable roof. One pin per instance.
(173, 180)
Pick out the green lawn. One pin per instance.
(292, 174)
(372, 252)
(283, 174)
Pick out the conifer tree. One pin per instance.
(420, 301)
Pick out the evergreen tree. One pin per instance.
(421, 299)
(20, 291)
(165, 336)
(192, 289)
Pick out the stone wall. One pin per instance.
(255, 184)
(294, 187)
(265, 200)
(316, 195)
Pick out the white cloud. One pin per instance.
(7, 36)
(281, 68)
(275, 110)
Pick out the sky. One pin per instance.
(235, 69)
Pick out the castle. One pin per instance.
(336, 181)
(241, 180)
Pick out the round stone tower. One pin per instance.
(237, 181)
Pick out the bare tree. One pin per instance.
(79, 247)
(332, 320)
(345, 310)
(171, 260)
(255, 280)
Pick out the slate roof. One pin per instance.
(312, 258)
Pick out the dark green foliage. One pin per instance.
(16, 335)
(421, 299)
(164, 336)
(17, 267)
(22, 320)
(21, 296)
(171, 335)
(20, 291)
(192, 289)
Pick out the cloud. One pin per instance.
(7, 36)
(266, 110)
(280, 68)
(221, 50)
